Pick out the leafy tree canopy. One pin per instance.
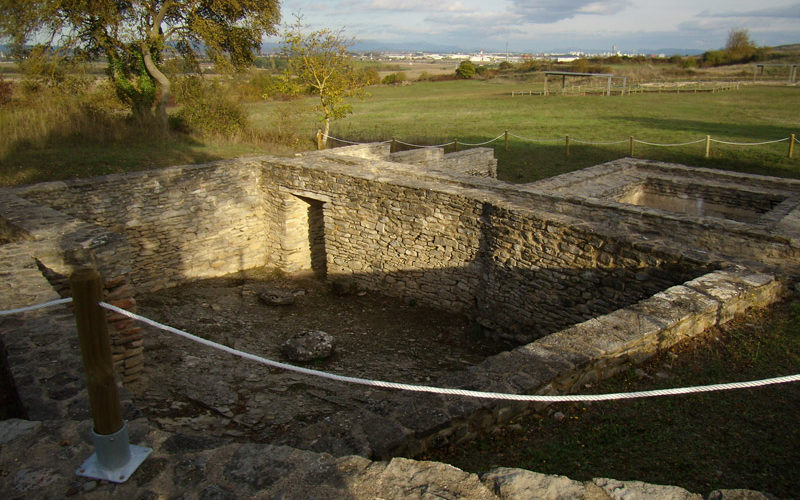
(319, 61)
(137, 35)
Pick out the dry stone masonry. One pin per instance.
(583, 273)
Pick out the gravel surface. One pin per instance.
(190, 388)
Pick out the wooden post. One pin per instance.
(567, 145)
(708, 146)
(90, 318)
(319, 139)
(791, 145)
(631, 148)
(456, 144)
(393, 147)
(506, 134)
(545, 84)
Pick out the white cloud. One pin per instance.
(419, 6)
(785, 11)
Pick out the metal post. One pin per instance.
(114, 459)
(708, 146)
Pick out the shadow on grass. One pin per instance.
(58, 158)
(748, 132)
(529, 162)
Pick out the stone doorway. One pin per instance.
(304, 237)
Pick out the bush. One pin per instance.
(394, 78)
(505, 66)
(6, 89)
(466, 70)
(208, 109)
(370, 76)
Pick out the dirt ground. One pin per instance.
(187, 387)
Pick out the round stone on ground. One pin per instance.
(308, 346)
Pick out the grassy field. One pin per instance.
(60, 146)
(477, 111)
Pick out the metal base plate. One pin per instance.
(92, 469)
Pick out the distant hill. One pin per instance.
(794, 47)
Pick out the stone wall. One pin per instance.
(520, 273)
(49, 247)
(181, 223)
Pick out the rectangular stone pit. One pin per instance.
(569, 270)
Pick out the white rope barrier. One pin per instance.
(535, 140)
(454, 392)
(348, 142)
(421, 146)
(578, 141)
(750, 143)
(698, 141)
(483, 143)
(52, 303)
(611, 143)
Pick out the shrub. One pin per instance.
(394, 78)
(466, 70)
(208, 109)
(370, 76)
(6, 89)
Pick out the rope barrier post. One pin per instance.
(393, 147)
(456, 144)
(631, 146)
(506, 137)
(567, 140)
(791, 145)
(708, 146)
(114, 459)
(319, 140)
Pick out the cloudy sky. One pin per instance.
(547, 25)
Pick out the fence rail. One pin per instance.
(631, 141)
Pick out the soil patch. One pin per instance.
(187, 387)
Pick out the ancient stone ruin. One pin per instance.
(575, 276)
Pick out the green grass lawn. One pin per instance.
(472, 112)
(477, 111)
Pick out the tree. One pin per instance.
(320, 63)
(739, 47)
(466, 70)
(136, 35)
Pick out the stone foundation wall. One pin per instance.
(49, 247)
(520, 273)
(181, 223)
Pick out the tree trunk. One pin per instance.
(326, 128)
(161, 78)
